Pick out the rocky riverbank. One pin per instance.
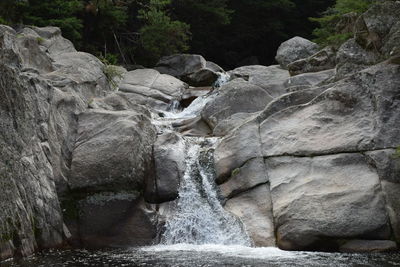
(306, 156)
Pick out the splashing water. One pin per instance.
(199, 217)
(222, 79)
(174, 106)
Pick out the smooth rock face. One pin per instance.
(323, 198)
(53, 40)
(340, 119)
(271, 78)
(169, 161)
(368, 246)
(233, 98)
(226, 126)
(151, 88)
(310, 79)
(112, 149)
(255, 210)
(250, 175)
(236, 149)
(295, 49)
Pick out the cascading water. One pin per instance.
(222, 79)
(199, 217)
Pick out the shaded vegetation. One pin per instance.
(228, 32)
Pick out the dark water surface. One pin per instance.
(206, 255)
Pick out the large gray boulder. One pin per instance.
(112, 150)
(244, 142)
(256, 84)
(233, 98)
(149, 87)
(193, 69)
(294, 49)
(254, 208)
(341, 119)
(326, 198)
(352, 122)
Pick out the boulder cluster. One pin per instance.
(307, 156)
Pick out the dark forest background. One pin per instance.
(228, 32)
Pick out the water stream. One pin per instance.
(198, 217)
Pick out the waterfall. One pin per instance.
(199, 217)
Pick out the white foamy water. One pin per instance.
(229, 250)
(199, 217)
(192, 111)
(222, 79)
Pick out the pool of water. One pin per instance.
(205, 255)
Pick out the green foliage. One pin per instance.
(60, 13)
(111, 71)
(103, 20)
(235, 172)
(327, 33)
(206, 18)
(160, 35)
(397, 153)
(3, 21)
(12, 11)
(40, 40)
(109, 59)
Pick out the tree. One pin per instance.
(160, 35)
(12, 11)
(207, 20)
(60, 13)
(104, 20)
